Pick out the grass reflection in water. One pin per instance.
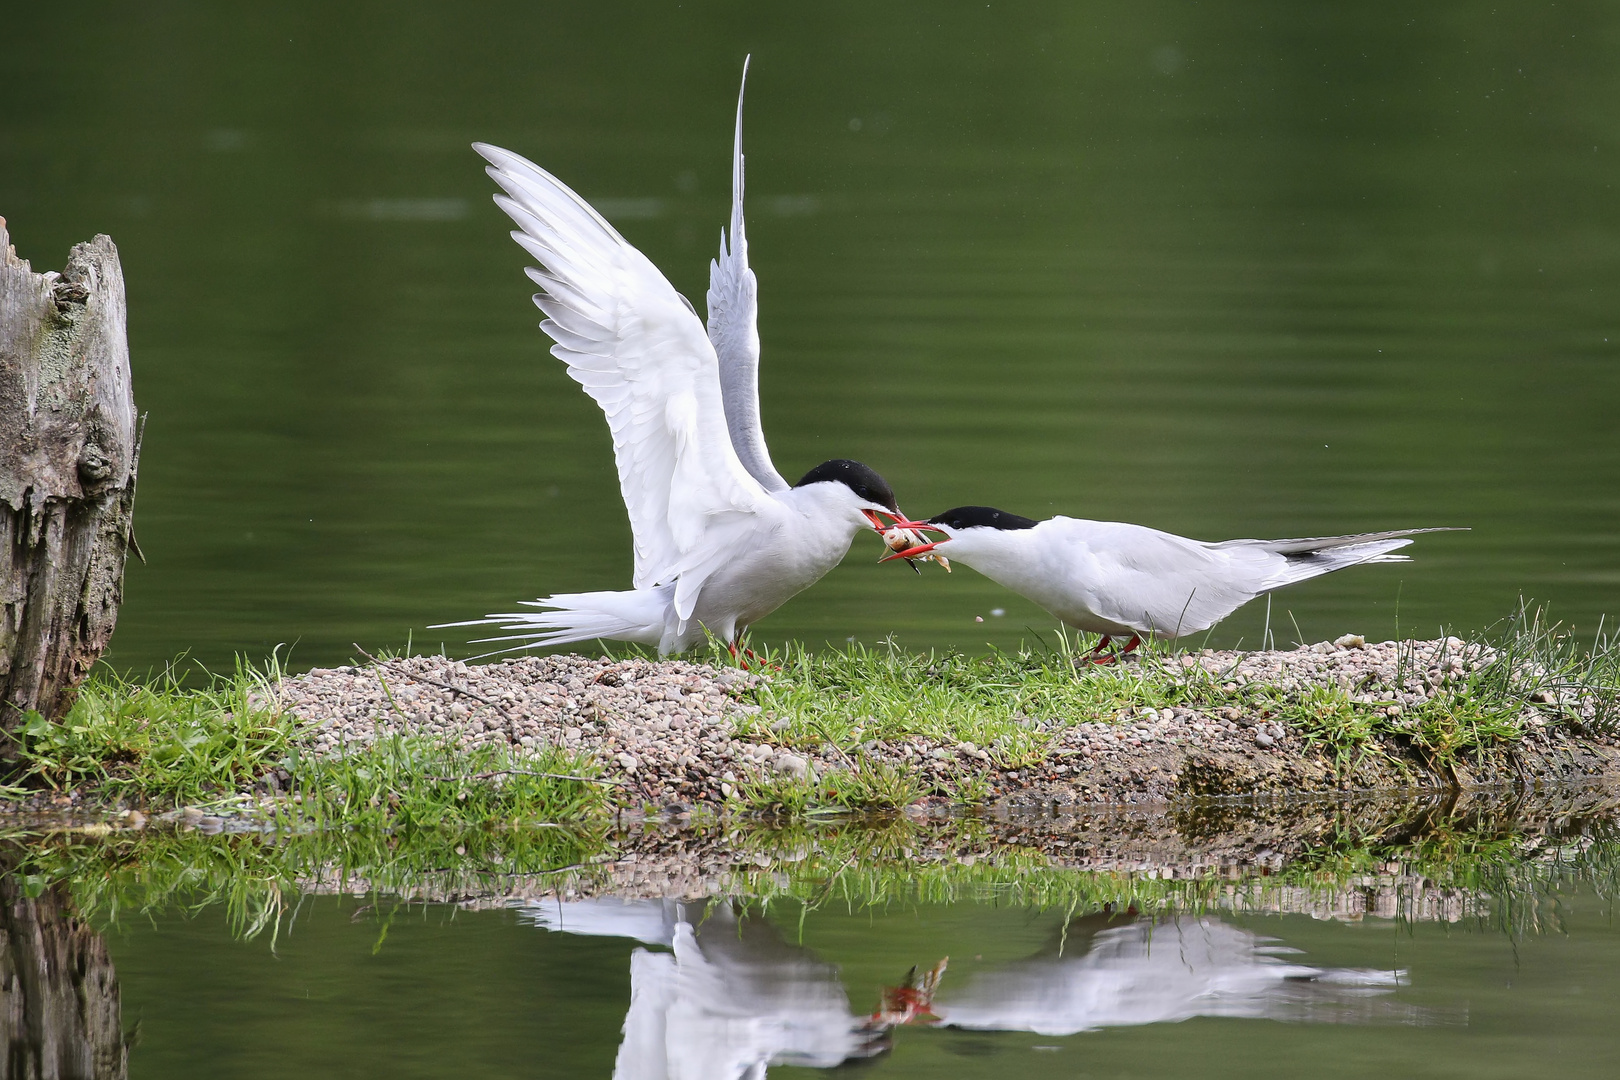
(1424, 859)
(802, 935)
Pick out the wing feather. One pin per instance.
(1306, 545)
(734, 329)
(638, 350)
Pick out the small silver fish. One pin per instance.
(898, 539)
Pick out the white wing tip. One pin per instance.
(495, 155)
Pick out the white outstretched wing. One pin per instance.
(734, 330)
(638, 349)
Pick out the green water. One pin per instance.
(1422, 937)
(489, 994)
(1232, 270)
(1246, 269)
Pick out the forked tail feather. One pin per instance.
(638, 615)
(1304, 565)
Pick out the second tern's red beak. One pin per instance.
(912, 553)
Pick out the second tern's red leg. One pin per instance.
(746, 658)
(1101, 658)
(759, 664)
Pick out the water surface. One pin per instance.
(1247, 271)
(1440, 960)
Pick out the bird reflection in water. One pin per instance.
(1150, 971)
(731, 997)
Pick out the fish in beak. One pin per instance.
(905, 541)
(891, 535)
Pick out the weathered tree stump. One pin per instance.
(69, 442)
(59, 1007)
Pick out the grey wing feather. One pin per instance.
(1307, 545)
(734, 330)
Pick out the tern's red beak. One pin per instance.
(877, 522)
(912, 553)
(903, 523)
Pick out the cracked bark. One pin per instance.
(59, 1004)
(69, 444)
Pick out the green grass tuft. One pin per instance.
(1006, 703)
(868, 787)
(875, 786)
(162, 744)
(412, 784)
(162, 739)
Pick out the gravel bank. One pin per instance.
(666, 728)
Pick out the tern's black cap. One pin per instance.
(857, 477)
(971, 517)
